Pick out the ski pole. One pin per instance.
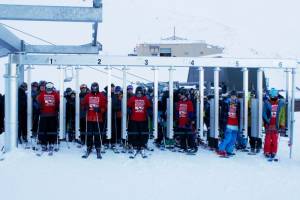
(85, 139)
(37, 133)
(99, 130)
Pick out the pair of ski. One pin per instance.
(41, 152)
(143, 154)
(187, 152)
(88, 153)
(2, 154)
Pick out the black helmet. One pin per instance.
(95, 88)
(233, 93)
(139, 91)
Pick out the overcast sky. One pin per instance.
(247, 28)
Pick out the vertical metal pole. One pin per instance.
(288, 101)
(77, 103)
(124, 104)
(245, 104)
(109, 102)
(171, 103)
(201, 99)
(155, 105)
(11, 106)
(260, 99)
(292, 121)
(20, 74)
(29, 103)
(61, 104)
(216, 93)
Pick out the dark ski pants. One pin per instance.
(48, 130)
(137, 136)
(187, 138)
(271, 142)
(229, 140)
(93, 134)
(22, 129)
(116, 131)
(35, 123)
(255, 142)
(82, 128)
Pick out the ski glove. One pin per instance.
(96, 109)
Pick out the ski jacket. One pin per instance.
(96, 106)
(230, 114)
(184, 113)
(274, 114)
(138, 108)
(48, 103)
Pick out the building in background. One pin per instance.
(180, 47)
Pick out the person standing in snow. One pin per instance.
(231, 121)
(116, 116)
(1, 113)
(138, 110)
(184, 117)
(48, 101)
(95, 104)
(83, 92)
(22, 113)
(274, 120)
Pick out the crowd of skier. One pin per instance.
(93, 120)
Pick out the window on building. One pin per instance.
(165, 52)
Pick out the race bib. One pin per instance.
(49, 100)
(139, 106)
(232, 111)
(93, 102)
(182, 110)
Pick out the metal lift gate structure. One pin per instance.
(87, 55)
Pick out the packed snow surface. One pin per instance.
(164, 175)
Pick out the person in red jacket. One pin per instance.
(95, 104)
(48, 101)
(184, 120)
(138, 106)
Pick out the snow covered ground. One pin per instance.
(164, 175)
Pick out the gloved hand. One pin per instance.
(96, 109)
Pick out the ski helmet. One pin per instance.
(139, 91)
(82, 86)
(273, 93)
(118, 89)
(49, 87)
(23, 86)
(95, 88)
(34, 84)
(129, 87)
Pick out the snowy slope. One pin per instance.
(165, 175)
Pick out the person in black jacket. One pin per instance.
(116, 116)
(83, 120)
(22, 113)
(1, 114)
(70, 114)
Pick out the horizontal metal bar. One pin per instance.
(63, 49)
(50, 13)
(136, 61)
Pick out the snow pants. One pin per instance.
(22, 129)
(116, 130)
(255, 142)
(187, 139)
(48, 130)
(271, 142)
(138, 134)
(93, 134)
(229, 140)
